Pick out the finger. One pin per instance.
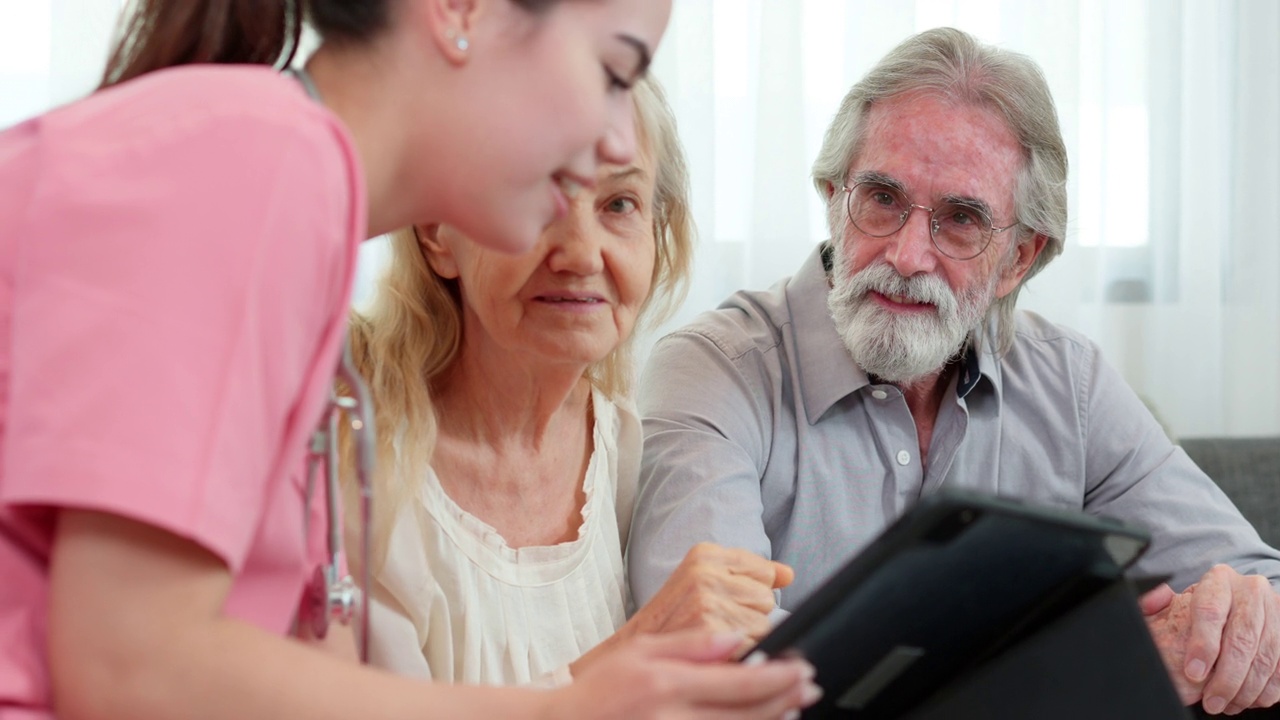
(1156, 599)
(786, 705)
(1240, 640)
(710, 559)
(755, 626)
(1271, 693)
(723, 608)
(724, 613)
(1267, 649)
(783, 575)
(1172, 646)
(752, 621)
(741, 685)
(750, 593)
(748, 564)
(1210, 608)
(691, 645)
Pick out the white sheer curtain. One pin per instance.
(51, 51)
(1171, 111)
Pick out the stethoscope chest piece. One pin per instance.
(328, 599)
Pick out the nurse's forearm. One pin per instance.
(237, 671)
(340, 642)
(136, 632)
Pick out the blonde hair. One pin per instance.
(412, 334)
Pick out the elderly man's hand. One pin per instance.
(1220, 639)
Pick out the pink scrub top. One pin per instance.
(176, 258)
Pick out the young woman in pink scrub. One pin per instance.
(176, 253)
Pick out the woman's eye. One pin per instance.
(615, 81)
(621, 205)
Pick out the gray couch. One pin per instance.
(1248, 471)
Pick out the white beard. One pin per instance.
(902, 349)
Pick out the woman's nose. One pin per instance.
(575, 247)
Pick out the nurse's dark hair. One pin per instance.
(157, 34)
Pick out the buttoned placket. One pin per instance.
(897, 441)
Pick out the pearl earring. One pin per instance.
(459, 40)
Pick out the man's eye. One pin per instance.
(963, 216)
(882, 197)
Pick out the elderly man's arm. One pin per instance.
(706, 423)
(1220, 637)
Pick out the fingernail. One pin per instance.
(1215, 705)
(1196, 670)
(811, 694)
(791, 715)
(806, 671)
(728, 639)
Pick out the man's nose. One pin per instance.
(911, 249)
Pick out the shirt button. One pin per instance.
(879, 394)
(904, 457)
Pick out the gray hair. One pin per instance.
(955, 65)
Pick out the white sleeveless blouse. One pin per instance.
(455, 603)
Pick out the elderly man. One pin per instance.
(797, 422)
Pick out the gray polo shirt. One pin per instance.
(762, 433)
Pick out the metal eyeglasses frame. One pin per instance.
(933, 219)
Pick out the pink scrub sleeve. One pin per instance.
(176, 291)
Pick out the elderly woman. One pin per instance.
(508, 445)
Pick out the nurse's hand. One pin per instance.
(715, 588)
(683, 675)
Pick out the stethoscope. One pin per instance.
(332, 595)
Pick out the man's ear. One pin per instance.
(437, 252)
(829, 189)
(450, 24)
(1024, 256)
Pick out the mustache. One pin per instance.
(885, 280)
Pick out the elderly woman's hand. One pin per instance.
(718, 589)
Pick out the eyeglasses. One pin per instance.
(960, 231)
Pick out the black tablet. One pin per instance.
(954, 582)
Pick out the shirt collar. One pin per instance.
(825, 369)
(970, 371)
(981, 363)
